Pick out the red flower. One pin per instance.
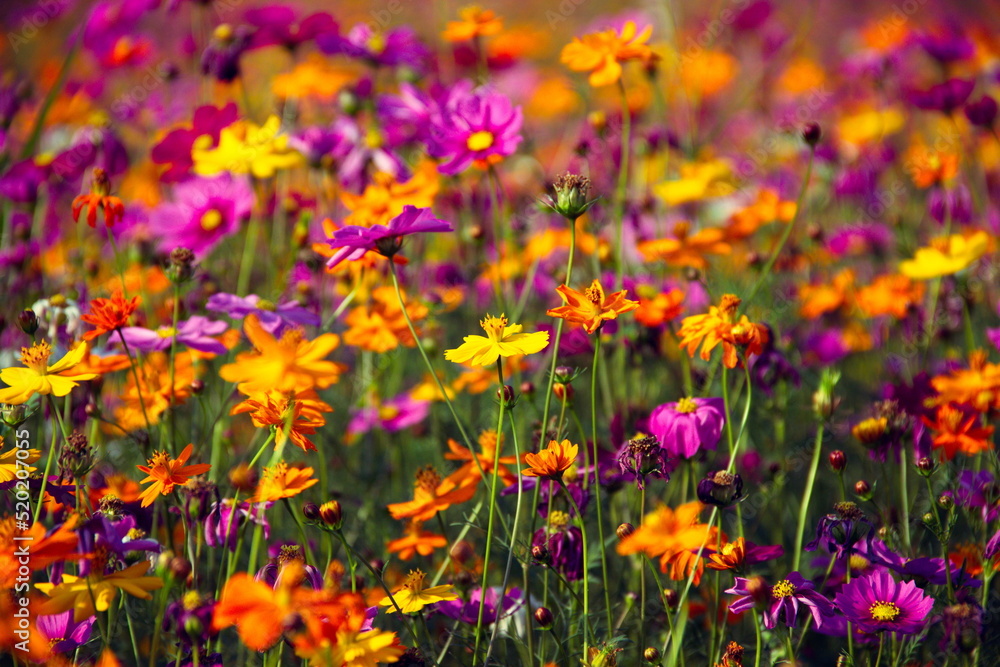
(99, 198)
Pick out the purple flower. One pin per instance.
(318, 144)
(352, 241)
(480, 126)
(205, 211)
(950, 204)
(877, 602)
(274, 569)
(195, 333)
(222, 528)
(397, 413)
(565, 549)
(782, 600)
(277, 25)
(397, 47)
(359, 151)
(117, 537)
(468, 612)
(844, 533)
(944, 97)
(688, 426)
(982, 113)
(21, 182)
(190, 618)
(221, 58)
(69, 635)
(273, 317)
(641, 457)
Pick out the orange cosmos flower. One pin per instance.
(283, 481)
(109, 314)
(382, 327)
(430, 496)
(686, 249)
(717, 327)
(601, 53)
(591, 308)
(301, 413)
(154, 390)
(659, 308)
(15, 636)
(469, 472)
(675, 536)
(99, 198)
(259, 612)
(768, 207)
(551, 462)
(891, 294)
(291, 364)
(165, 473)
(413, 597)
(817, 300)
(43, 550)
(929, 167)
(475, 22)
(978, 386)
(957, 430)
(416, 540)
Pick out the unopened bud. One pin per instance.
(544, 618)
(625, 530)
(863, 489)
(811, 134)
(838, 460)
(652, 655)
(331, 514)
(28, 321)
(310, 511)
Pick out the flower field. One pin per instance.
(576, 333)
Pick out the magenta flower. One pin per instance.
(480, 126)
(781, 601)
(688, 426)
(205, 211)
(175, 148)
(393, 415)
(353, 241)
(195, 333)
(226, 519)
(274, 317)
(399, 46)
(277, 25)
(876, 602)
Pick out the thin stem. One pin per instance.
(800, 529)
(597, 477)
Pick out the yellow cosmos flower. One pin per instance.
(87, 596)
(946, 255)
(413, 597)
(9, 464)
(38, 377)
(870, 125)
(244, 148)
(698, 180)
(501, 340)
(361, 649)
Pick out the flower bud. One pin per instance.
(824, 402)
(462, 551)
(14, 415)
(181, 268)
(651, 655)
(625, 530)
(564, 392)
(572, 196)
(863, 489)
(544, 618)
(310, 511)
(540, 554)
(180, 567)
(507, 395)
(946, 501)
(27, 320)
(838, 460)
(811, 134)
(197, 386)
(243, 478)
(527, 388)
(331, 514)
(925, 465)
(670, 597)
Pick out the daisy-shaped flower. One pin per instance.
(551, 462)
(352, 242)
(781, 601)
(165, 473)
(99, 198)
(591, 307)
(602, 53)
(88, 595)
(876, 602)
(413, 597)
(109, 314)
(501, 340)
(38, 377)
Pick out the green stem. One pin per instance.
(597, 480)
(800, 528)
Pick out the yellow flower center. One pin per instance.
(884, 611)
(728, 549)
(859, 563)
(211, 220)
(783, 589)
(870, 430)
(388, 412)
(57, 301)
(479, 141)
(166, 332)
(191, 600)
(428, 479)
(373, 139)
(594, 293)
(136, 534)
(264, 304)
(376, 43)
(414, 581)
(686, 405)
(36, 357)
(558, 518)
(494, 326)
(223, 33)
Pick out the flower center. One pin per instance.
(558, 518)
(388, 412)
(595, 294)
(728, 549)
(264, 304)
(479, 141)
(211, 219)
(883, 611)
(428, 479)
(376, 43)
(166, 332)
(494, 326)
(686, 405)
(859, 563)
(783, 589)
(36, 357)
(191, 600)
(373, 139)
(414, 581)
